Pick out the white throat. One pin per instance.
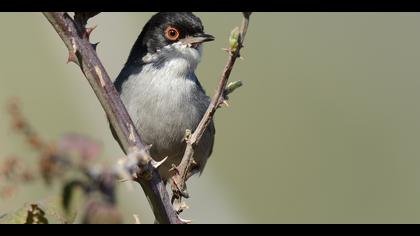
(177, 59)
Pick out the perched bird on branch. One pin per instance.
(161, 92)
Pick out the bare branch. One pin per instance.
(73, 33)
(217, 100)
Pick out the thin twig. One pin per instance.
(82, 53)
(217, 100)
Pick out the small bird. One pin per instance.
(161, 92)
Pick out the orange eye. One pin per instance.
(171, 33)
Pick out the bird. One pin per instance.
(161, 91)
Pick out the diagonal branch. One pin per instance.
(73, 34)
(218, 98)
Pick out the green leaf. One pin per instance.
(233, 39)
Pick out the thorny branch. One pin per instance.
(236, 43)
(76, 37)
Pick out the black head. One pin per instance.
(166, 28)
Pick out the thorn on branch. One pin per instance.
(72, 58)
(224, 102)
(236, 39)
(95, 45)
(88, 31)
(185, 221)
(156, 164)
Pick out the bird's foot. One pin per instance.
(179, 187)
(179, 191)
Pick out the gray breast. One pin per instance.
(162, 108)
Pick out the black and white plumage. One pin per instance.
(160, 90)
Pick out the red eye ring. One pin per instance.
(171, 33)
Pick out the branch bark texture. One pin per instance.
(82, 52)
(217, 99)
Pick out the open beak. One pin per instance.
(198, 39)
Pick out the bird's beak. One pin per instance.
(198, 39)
(201, 38)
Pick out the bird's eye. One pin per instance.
(171, 33)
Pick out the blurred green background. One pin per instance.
(326, 128)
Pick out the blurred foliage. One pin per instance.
(45, 212)
(26, 215)
(71, 153)
(35, 215)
